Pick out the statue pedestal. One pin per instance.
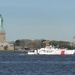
(3, 44)
(2, 37)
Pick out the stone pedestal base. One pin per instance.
(2, 37)
(3, 44)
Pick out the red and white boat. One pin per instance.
(52, 51)
(55, 51)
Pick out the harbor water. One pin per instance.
(19, 63)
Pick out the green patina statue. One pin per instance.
(1, 23)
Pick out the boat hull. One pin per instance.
(54, 52)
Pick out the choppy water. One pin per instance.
(23, 64)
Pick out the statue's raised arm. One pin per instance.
(1, 23)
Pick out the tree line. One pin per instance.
(38, 43)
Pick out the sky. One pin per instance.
(38, 19)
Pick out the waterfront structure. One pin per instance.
(3, 44)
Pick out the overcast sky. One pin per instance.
(38, 19)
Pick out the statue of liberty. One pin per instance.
(1, 23)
